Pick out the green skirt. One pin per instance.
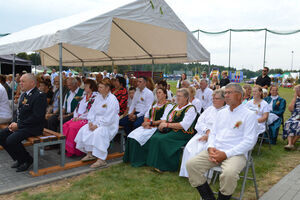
(165, 150)
(135, 153)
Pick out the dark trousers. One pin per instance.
(130, 125)
(12, 143)
(53, 122)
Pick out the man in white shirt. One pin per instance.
(142, 100)
(53, 75)
(227, 146)
(73, 96)
(204, 94)
(5, 111)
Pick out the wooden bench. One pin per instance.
(39, 142)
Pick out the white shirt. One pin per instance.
(197, 103)
(235, 131)
(188, 119)
(5, 111)
(205, 97)
(207, 119)
(170, 95)
(104, 111)
(69, 100)
(259, 110)
(142, 100)
(129, 102)
(82, 111)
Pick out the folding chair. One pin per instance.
(249, 165)
(262, 137)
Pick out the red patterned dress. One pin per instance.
(122, 97)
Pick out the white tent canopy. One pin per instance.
(135, 33)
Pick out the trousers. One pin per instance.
(12, 143)
(231, 168)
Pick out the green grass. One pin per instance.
(124, 182)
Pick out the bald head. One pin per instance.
(27, 82)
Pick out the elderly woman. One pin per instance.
(291, 129)
(103, 124)
(203, 127)
(260, 107)
(120, 92)
(136, 145)
(176, 129)
(277, 108)
(195, 101)
(71, 127)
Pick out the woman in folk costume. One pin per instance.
(291, 129)
(277, 108)
(260, 107)
(136, 144)
(71, 127)
(203, 127)
(174, 132)
(103, 124)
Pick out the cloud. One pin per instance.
(213, 15)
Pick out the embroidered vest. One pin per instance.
(178, 116)
(155, 113)
(75, 100)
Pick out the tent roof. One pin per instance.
(8, 59)
(135, 33)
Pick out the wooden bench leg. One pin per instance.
(62, 153)
(35, 158)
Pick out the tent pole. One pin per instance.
(265, 47)
(60, 89)
(209, 71)
(229, 53)
(13, 84)
(198, 35)
(0, 67)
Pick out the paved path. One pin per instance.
(288, 188)
(11, 181)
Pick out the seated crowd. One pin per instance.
(217, 123)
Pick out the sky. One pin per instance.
(214, 15)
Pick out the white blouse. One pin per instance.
(81, 111)
(206, 120)
(197, 103)
(104, 110)
(188, 119)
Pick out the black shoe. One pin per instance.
(24, 167)
(205, 192)
(223, 197)
(16, 164)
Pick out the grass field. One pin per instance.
(124, 182)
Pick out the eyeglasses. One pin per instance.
(264, 70)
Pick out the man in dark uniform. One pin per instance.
(264, 80)
(30, 122)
